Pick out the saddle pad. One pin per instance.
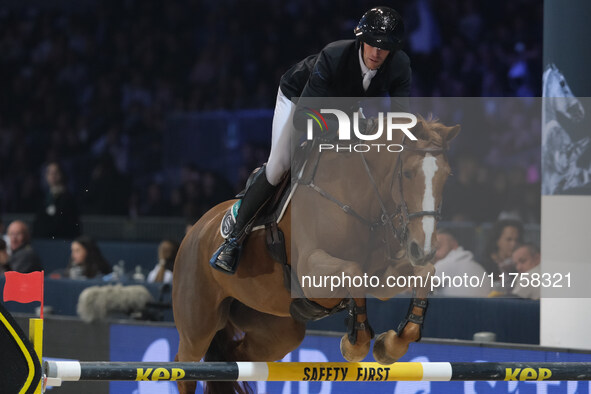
(273, 212)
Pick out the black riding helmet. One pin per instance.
(381, 27)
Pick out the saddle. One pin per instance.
(272, 212)
(304, 165)
(268, 216)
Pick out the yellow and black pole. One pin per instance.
(36, 338)
(20, 364)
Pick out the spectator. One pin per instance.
(3, 257)
(86, 260)
(57, 215)
(23, 258)
(56, 67)
(463, 194)
(452, 260)
(162, 273)
(527, 261)
(4, 237)
(155, 204)
(503, 238)
(108, 191)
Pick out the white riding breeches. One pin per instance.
(280, 157)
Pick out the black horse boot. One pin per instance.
(226, 258)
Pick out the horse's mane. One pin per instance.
(429, 130)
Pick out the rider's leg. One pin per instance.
(227, 255)
(280, 157)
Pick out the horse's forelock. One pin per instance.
(430, 132)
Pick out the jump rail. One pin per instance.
(304, 371)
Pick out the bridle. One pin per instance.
(387, 219)
(404, 216)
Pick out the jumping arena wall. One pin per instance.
(120, 377)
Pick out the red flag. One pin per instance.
(23, 288)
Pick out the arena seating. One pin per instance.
(513, 320)
(55, 254)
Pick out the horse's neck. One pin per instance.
(380, 158)
(358, 175)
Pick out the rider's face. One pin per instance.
(374, 57)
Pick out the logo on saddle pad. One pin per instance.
(393, 122)
(229, 220)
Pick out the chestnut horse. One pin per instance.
(389, 201)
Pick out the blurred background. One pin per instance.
(161, 109)
(125, 120)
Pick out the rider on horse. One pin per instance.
(373, 65)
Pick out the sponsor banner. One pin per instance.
(159, 343)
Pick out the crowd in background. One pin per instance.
(18, 254)
(88, 90)
(505, 255)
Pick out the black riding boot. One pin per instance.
(226, 258)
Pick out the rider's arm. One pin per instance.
(317, 86)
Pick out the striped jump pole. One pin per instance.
(321, 371)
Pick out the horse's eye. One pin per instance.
(407, 174)
(562, 83)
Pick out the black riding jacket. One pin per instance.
(336, 72)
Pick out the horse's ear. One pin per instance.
(450, 133)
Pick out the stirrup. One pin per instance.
(222, 265)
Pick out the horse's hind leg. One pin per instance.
(266, 337)
(202, 319)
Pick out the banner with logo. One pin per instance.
(153, 343)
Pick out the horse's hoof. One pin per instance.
(353, 353)
(388, 348)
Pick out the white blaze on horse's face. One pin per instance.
(429, 169)
(423, 187)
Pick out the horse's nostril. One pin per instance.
(415, 251)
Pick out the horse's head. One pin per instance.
(558, 96)
(421, 171)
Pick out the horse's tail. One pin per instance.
(223, 348)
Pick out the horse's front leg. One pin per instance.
(390, 346)
(356, 343)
